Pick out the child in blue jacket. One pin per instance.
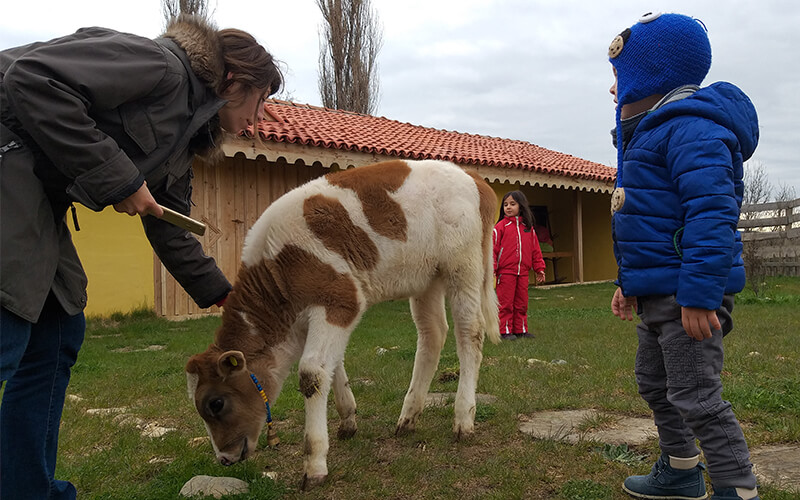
(675, 210)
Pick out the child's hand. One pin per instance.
(699, 322)
(540, 277)
(623, 306)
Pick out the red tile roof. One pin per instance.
(335, 129)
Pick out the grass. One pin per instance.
(107, 459)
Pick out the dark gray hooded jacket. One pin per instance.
(88, 118)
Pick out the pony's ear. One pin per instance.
(230, 362)
(192, 376)
(192, 365)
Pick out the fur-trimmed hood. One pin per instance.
(198, 38)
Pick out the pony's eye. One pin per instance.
(216, 406)
(650, 16)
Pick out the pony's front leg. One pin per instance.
(323, 353)
(315, 389)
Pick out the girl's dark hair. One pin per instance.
(524, 208)
(249, 62)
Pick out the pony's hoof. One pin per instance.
(405, 427)
(309, 483)
(346, 432)
(462, 432)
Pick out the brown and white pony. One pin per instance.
(314, 261)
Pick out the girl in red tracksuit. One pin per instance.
(516, 251)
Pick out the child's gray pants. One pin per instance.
(679, 378)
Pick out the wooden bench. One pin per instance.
(554, 257)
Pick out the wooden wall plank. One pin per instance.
(229, 198)
(251, 211)
(239, 217)
(263, 196)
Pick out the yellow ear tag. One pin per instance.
(233, 361)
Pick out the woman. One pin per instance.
(101, 118)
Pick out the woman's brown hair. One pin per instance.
(248, 62)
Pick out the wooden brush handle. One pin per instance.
(182, 221)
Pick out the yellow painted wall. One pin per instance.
(598, 247)
(117, 258)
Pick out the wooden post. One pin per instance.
(577, 260)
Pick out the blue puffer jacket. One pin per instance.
(679, 193)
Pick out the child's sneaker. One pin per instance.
(526, 335)
(508, 336)
(728, 494)
(665, 482)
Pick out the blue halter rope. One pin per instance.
(272, 436)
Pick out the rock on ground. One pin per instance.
(148, 429)
(145, 349)
(199, 441)
(213, 486)
(445, 398)
(106, 411)
(777, 465)
(564, 426)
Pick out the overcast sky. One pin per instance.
(532, 70)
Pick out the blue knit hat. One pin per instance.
(658, 54)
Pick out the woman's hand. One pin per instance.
(139, 203)
(623, 306)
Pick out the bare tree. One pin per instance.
(171, 8)
(350, 40)
(757, 188)
(785, 192)
(764, 244)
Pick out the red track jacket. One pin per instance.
(515, 250)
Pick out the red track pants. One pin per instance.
(512, 294)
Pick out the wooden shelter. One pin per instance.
(297, 143)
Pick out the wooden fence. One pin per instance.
(771, 231)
